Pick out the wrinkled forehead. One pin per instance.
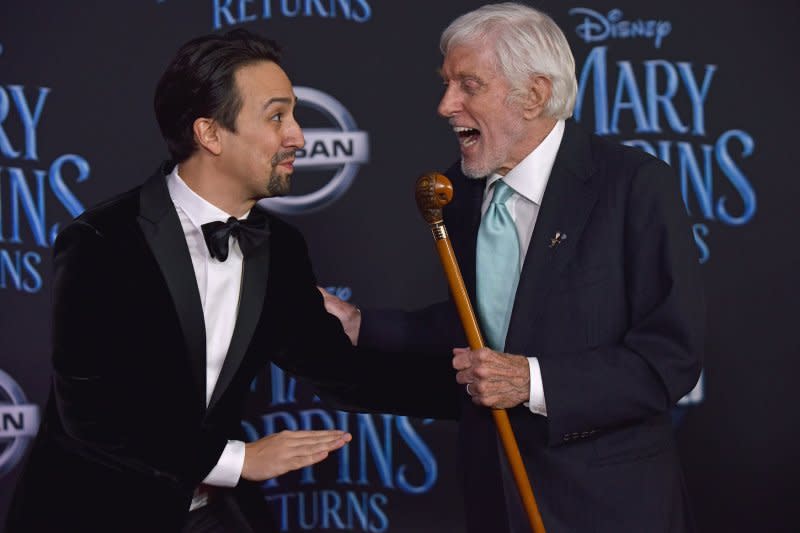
(469, 61)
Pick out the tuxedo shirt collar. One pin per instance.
(199, 210)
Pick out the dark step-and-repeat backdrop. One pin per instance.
(710, 87)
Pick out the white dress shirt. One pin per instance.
(529, 180)
(219, 284)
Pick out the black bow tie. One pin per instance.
(251, 233)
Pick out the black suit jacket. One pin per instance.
(127, 436)
(614, 313)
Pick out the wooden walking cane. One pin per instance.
(434, 191)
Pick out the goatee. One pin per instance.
(278, 185)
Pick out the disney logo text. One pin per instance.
(596, 27)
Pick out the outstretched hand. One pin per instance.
(493, 379)
(348, 314)
(276, 454)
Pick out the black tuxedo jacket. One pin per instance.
(615, 314)
(127, 436)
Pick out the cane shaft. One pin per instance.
(475, 340)
(456, 283)
(518, 469)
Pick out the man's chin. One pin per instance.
(472, 171)
(279, 186)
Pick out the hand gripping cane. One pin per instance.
(434, 191)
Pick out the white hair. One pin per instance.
(526, 43)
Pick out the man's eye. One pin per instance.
(277, 117)
(470, 86)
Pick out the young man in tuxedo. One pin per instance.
(168, 299)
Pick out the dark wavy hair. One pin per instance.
(199, 82)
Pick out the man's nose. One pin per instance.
(450, 103)
(294, 136)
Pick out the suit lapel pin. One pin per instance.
(557, 239)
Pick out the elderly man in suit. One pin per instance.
(578, 256)
(168, 299)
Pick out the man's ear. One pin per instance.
(540, 89)
(207, 135)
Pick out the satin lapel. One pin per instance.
(251, 301)
(163, 232)
(566, 204)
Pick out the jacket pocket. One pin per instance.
(632, 443)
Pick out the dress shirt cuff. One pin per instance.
(228, 470)
(536, 403)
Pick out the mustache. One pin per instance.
(280, 157)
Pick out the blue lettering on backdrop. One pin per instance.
(233, 12)
(423, 454)
(628, 97)
(712, 182)
(29, 120)
(25, 189)
(700, 232)
(329, 509)
(596, 27)
(376, 466)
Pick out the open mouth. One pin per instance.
(466, 136)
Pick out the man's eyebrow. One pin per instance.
(280, 100)
(461, 76)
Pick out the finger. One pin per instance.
(464, 377)
(313, 433)
(320, 447)
(461, 361)
(481, 396)
(328, 300)
(316, 457)
(301, 461)
(483, 355)
(310, 442)
(314, 453)
(308, 460)
(477, 400)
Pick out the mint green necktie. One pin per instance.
(497, 266)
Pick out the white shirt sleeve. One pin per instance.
(228, 470)
(536, 404)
